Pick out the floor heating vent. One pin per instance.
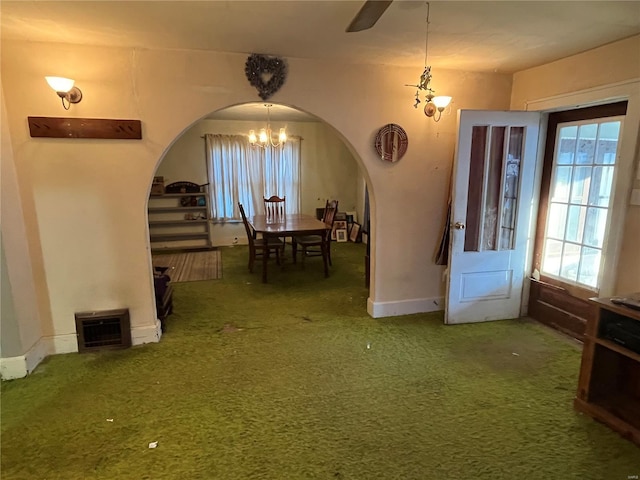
(103, 330)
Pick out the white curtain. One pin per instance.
(241, 172)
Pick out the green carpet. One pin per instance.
(293, 380)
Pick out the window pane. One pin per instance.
(575, 223)
(567, 147)
(600, 190)
(556, 221)
(608, 142)
(492, 199)
(579, 198)
(562, 184)
(587, 143)
(511, 186)
(595, 227)
(580, 185)
(474, 196)
(551, 257)
(590, 266)
(570, 261)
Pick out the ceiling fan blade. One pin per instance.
(368, 15)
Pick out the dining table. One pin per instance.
(290, 225)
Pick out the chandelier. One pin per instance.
(434, 104)
(265, 137)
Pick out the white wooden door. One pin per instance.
(492, 200)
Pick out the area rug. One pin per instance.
(191, 266)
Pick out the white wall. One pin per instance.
(85, 200)
(328, 169)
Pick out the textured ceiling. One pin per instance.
(483, 36)
(503, 36)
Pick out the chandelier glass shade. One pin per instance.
(434, 105)
(265, 137)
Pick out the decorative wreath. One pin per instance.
(258, 67)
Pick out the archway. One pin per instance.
(330, 168)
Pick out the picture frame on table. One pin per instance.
(354, 233)
(341, 235)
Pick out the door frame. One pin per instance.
(627, 173)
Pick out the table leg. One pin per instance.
(265, 253)
(325, 254)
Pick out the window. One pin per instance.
(582, 176)
(494, 185)
(240, 172)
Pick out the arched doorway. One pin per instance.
(329, 169)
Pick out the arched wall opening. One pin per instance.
(330, 168)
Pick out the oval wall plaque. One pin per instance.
(391, 142)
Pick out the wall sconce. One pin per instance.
(436, 104)
(65, 90)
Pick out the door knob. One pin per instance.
(459, 226)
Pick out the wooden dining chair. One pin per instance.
(274, 206)
(257, 247)
(311, 245)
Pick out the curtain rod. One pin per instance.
(288, 136)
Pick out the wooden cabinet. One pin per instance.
(179, 221)
(609, 383)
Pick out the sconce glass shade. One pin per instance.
(442, 101)
(60, 84)
(65, 90)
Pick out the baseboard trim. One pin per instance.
(146, 334)
(404, 307)
(23, 365)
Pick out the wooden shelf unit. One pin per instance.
(169, 227)
(609, 383)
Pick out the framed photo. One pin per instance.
(354, 233)
(340, 216)
(351, 217)
(340, 225)
(341, 235)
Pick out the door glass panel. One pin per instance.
(595, 227)
(580, 195)
(493, 183)
(511, 188)
(567, 145)
(589, 266)
(557, 220)
(600, 190)
(580, 185)
(575, 223)
(552, 256)
(570, 261)
(608, 142)
(587, 143)
(562, 184)
(474, 193)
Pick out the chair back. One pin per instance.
(330, 210)
(247, 227)
(274, 206)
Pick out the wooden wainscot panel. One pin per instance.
(58, 127)
(555, 307)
